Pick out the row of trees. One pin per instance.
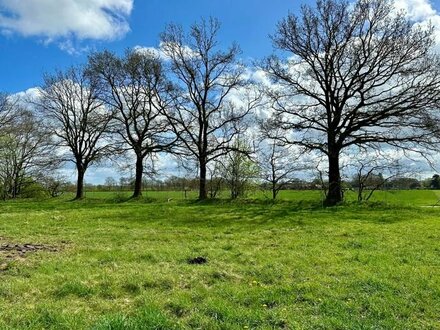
(349, 78)
(364, 185)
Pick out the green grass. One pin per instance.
(400, 197)
(285, 265)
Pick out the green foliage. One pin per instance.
(238, 170)
(33, 189)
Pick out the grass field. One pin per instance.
(108, 263)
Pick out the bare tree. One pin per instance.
(356, 74)
(204, 118)
(26, 151)
(7, 106)
(277, 162)
(54, 184)
(373, 169)
(215, 181)
(137, 88)
(110, 183)
(77, 118)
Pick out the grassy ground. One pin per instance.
(398, 197)
(285, 265)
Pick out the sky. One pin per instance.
(44, 35)
(39, 36)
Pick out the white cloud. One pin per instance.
(31, 93)
(422, 12)
(163, 48)
(64, 20)
(416, 9)
(151, 50)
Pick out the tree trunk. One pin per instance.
(202, 183)
(80, 182)
(274, 190)
(15, 188)
(138, 180)
(334, 195)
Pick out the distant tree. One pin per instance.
(204, 117)
(126, 183)
(435, 181)
(110, 183)
(369, 177)
(55, 185)
(77, 119)
(277, 167)
(216, 181)
(136, 88)
(356, 74)
(26, 151)
(277, 163)
(401, 182)
(238, 170)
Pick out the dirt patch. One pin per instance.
(197, 261)
(13, 251)
(22, 249)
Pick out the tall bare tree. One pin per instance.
(77, 117)
(137, 89)
(204, 117)
(355, 74)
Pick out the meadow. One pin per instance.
(107, 262)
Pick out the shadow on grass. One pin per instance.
(218, 212)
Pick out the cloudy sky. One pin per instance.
(38, 36)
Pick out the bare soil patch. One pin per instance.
(14, 251)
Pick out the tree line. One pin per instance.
(219, 186)
(345, 80)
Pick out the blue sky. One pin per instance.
(38, 36)
(25, 56)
